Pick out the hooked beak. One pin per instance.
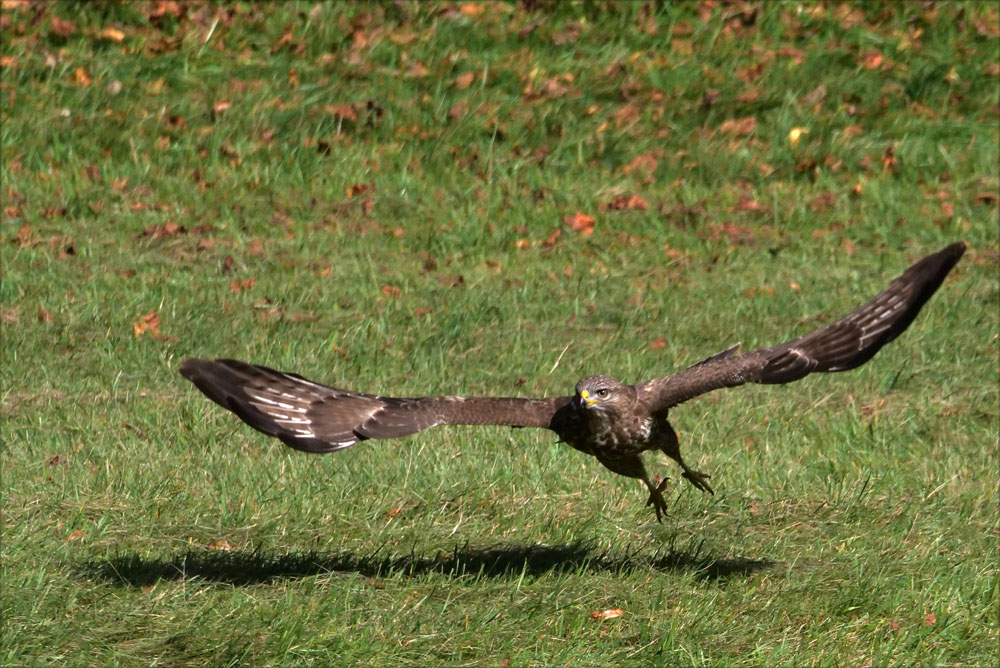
(586, 399)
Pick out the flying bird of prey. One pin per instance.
(605, 418)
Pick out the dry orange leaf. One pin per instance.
(889, 161)
(359, 189)
(391, 290)
(61, 27)
(628, 202)
(25, 236)
(221, 106)
(417, 70)
(165, 230)
(147, 323)
(741, 127)
(76, 535)
(871, 60)
(750, 204)
(644, 162)
(659, 343)
(111, 34)
(344, 112)
(581, 222)
(609, 613)
(245, 284)
(81, 77)
(221, 545)
(463, 81)
(150, 324)
(471, 8)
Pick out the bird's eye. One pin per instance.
(602, 392)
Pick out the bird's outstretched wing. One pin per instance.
(839, 346)
(317, 418)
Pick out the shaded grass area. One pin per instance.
(375, 197)
(508, 561)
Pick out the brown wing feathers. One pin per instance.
(855, 338)
(303, 414)
(839, 346)
(317, 418)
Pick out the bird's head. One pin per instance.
(602, 393)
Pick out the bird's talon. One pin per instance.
(657, 501)
(698, 479)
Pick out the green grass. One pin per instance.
(855, 520)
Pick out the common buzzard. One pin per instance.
(605, 418)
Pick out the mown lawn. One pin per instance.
(493, 199)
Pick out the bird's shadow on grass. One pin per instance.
(505, 561)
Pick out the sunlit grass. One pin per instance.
(855, 515)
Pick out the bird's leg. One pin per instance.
(633, 467)
(656, 497)
(672, 448)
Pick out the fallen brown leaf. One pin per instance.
(889, 161)
(147, 323)
(457, 110)
(823, 202)
(25, 236)
(750, 204)
(740, 127)
(61, 27)
(359, 189)
(245, 284)
(150, 324)
(391, 290)
(81, 77)
(344, 112)
(168, 229)
(581, 222)
(417, 70)
(463, 81)
(644, 162)
(659, 343)
(871, 60)
(628, 202)
(111, 34)
(609, 613)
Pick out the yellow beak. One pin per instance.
(585, 395)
